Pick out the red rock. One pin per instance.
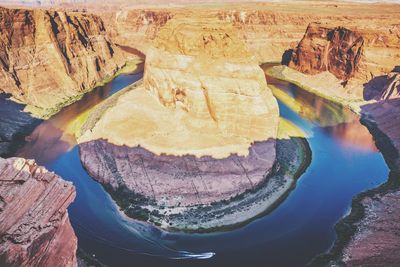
(34, 224)
(336, 50)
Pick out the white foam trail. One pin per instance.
(190, 255)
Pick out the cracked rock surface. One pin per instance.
(34, 224)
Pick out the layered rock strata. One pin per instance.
(200, 129)
(34, 225)
(268, 29)
(336, 50)
(202, 94)
(49, 58)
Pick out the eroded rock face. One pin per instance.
(34, 225)
(177, 181)
(47, 57)
(205, 71)
(268, 29)
(376, 242)
(336, 50)
(203, 94)
(391, 89)
(136, 28)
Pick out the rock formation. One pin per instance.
(337, 50)
(268, 29)
(34, 225)
(50, 58)
(135, 28)
(391, 88)
(203, 111)
(211, 95)
(376, 242)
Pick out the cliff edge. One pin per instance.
(34, 224)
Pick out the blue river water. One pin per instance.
(344, 163)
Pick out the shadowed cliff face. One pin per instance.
(391, 88)
(48, 58)
(177, 181)
(34, 224)
(337, 50)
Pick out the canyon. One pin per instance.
(71, 48)
(202, 110)
(370, 237)
(35, 230)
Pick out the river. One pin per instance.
(344, 163)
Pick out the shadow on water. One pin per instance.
(14, 125)
(345, 162)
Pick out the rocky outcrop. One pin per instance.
(336, 50)
(34, 225)
(391, 88)
(203, 94)
(376, 242)
(50, 58)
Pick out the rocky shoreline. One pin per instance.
(361, 234)
(369, 212)
(367, 236)
(293, 157)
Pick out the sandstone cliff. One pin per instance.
(204, 110)
(210, 93)
(48, 58)
(336, 50)
(34, 225)
(136, 28)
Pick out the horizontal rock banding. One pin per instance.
(34, 225)
(196, 101)
(177, 181)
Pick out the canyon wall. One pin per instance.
(34, 224)
(50, 58)
(269, 29)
